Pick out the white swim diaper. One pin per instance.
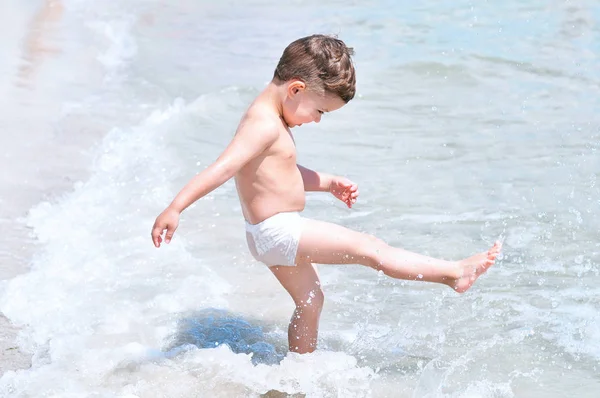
(274, 241)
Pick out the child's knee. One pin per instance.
(371, 251)
(312, 302)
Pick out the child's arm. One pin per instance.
(314, 181)
(340, 187)
(251, 139)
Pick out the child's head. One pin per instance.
(319, 77)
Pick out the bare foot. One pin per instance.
(473, 267)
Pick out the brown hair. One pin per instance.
(322, 63)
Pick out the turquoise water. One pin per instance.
(472, 122)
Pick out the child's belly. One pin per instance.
(262, 200)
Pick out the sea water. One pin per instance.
(473, 121)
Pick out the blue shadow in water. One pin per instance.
(211, 328)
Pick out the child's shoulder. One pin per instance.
(262, 116)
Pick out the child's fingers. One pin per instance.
(169, 235)
(350, 187)
(350, 201)
(350, 194)
(156, 232)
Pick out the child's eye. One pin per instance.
(321, 112)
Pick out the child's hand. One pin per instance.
(344, 189)
(169, 220)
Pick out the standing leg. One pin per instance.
(302, 283)
(326, 243)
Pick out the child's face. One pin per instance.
(306, 106)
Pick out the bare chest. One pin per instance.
(284, 149)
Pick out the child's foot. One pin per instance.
(473, 267)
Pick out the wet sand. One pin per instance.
(38, 168)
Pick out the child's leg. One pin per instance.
(326, 243)
(302, 283)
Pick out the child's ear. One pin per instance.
(295, 87)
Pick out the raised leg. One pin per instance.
(326, 243)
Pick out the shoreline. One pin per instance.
(16, 200)
(11, 356)
(32, 103)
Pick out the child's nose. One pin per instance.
(318, 118)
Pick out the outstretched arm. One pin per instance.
(340, 187)
(249, 142)
(251, 139)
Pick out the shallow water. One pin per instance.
(473, 122)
